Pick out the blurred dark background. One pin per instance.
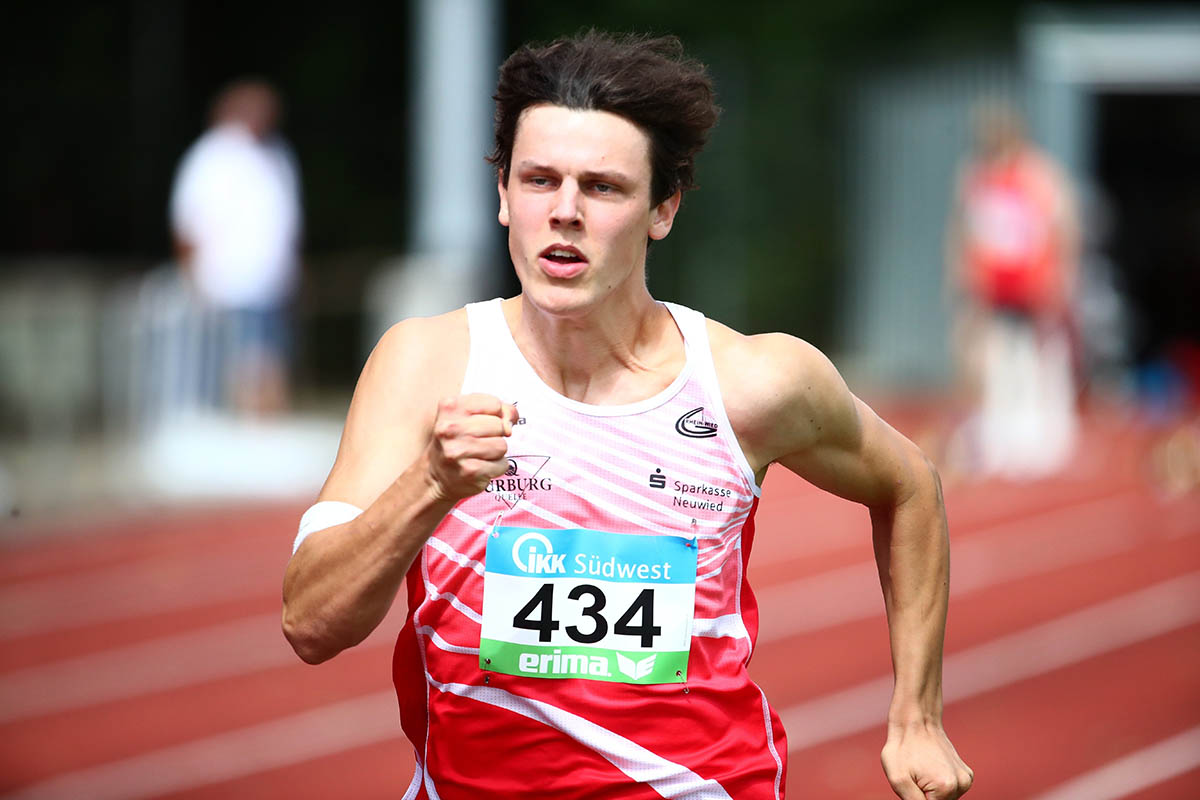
(101, 100)
(823, 199)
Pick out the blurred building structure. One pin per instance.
(1107, 93)
(452, 260)
(909, 126)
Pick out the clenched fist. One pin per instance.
(468, 444)
(922, 764)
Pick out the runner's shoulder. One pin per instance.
(769, 365)
(776, 385)
(414, 364)
(423, 355)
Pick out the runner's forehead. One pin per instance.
(596, 142)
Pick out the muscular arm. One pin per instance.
(405, 458)
(807, 420)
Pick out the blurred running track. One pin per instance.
(141, 657)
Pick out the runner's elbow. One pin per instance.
(917, 483)
(306, 640)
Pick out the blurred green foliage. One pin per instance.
(102, 99)
(759, 246)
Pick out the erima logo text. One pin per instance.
(538, 560)
(695, 425)
(570, 663)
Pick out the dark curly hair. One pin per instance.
(648, 81)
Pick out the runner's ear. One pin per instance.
(662, 217)
(503, 190)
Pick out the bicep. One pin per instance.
(858, 457)
(388, 421)
(837, 442)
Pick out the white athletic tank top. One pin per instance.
(547, 650)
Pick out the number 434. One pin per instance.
(545, 623)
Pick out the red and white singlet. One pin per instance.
(607, 656)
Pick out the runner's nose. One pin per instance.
(566, 207)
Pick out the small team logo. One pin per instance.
(521, 476)
(636, 669)
(658, 480)
(695, 425)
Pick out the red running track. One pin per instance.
(141, 657)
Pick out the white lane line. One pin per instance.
(1006, 552)
(1139, 770)
(1061, 642)
(834, 536)
(844, 595)
(136, 591)
(371, 718)
(221, 651)
(142, 668)
(173, 583)
(282, 742)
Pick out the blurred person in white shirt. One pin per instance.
(236, 219)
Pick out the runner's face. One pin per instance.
(577, 207)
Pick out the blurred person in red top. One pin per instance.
(236, 217)
(1012, 254)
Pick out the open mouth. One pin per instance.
(562, 261)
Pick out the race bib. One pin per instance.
(588, 604)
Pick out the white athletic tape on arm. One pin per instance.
(322, 515)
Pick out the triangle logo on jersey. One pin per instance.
(522, 476)
(636, 669)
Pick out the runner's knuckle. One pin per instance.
(943, 786)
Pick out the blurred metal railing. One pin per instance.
(114, 390)
(48, 364)
(161, 352)
(77, 353)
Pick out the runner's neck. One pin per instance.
(602, 358)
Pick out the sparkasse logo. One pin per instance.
(658, 480)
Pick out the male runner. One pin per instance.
(568, 480)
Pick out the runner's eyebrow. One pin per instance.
(601, 176)
(611, 176)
